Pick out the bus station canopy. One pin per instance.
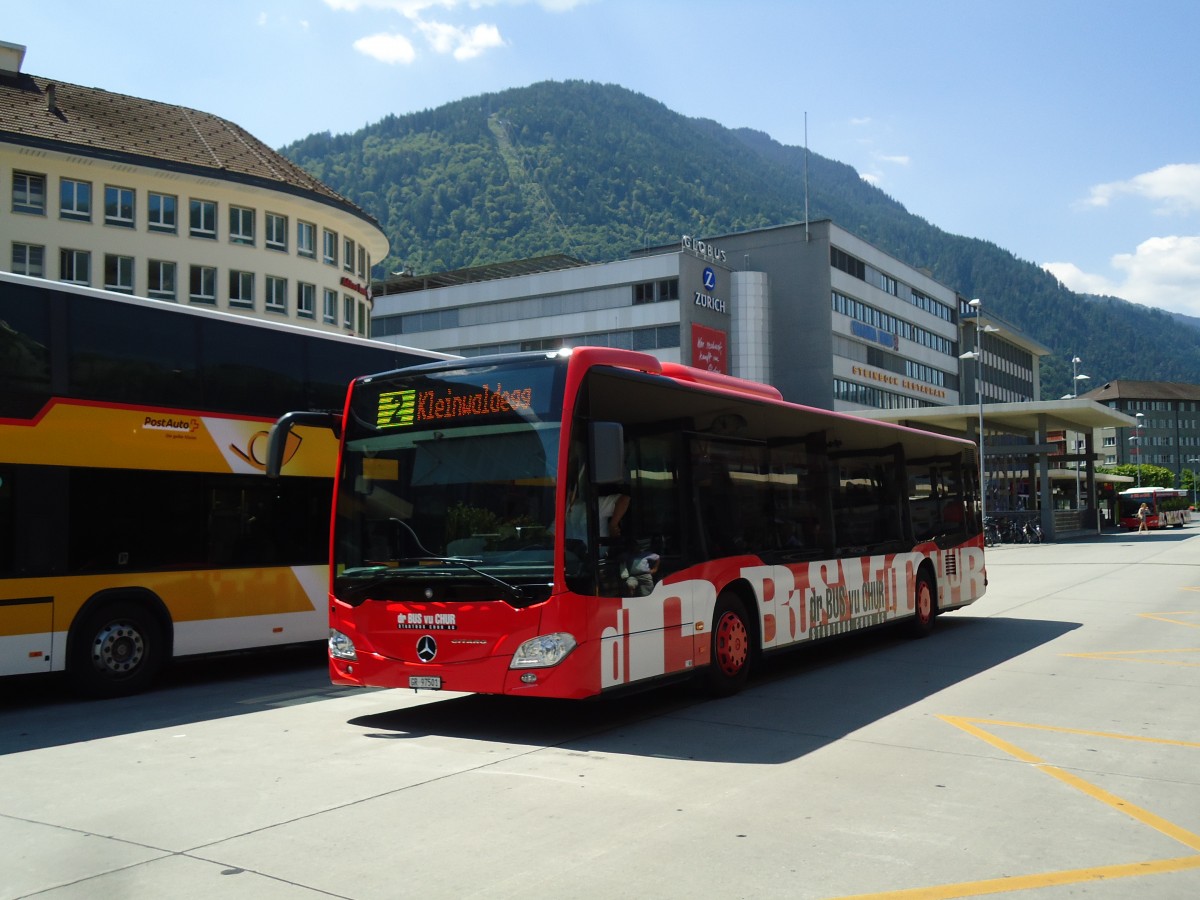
(1029, 418)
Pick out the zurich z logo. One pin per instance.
(426, 648)
(710, 279)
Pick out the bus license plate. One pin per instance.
(425, 682)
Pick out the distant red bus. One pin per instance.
(1168, 507)
(479, 543)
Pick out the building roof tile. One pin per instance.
(89, 121)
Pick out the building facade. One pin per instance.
(175, 204)
(822, 315)
(1166, 430)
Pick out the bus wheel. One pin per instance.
(926, 603)
(116, 649)
(730, 664)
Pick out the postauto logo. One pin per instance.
(170, 423)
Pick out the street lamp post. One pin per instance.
(977, 355)
(1075, 379)
(1193, 460)
(1137, 445)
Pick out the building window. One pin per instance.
(656, 291)
(241, 289)
(241, 225)
(75, 266)
(118, 206)
(276, 234)
(306, 239)
(348, 255)
(29, 259)
(362, 318)
(202, 222)
(29, 193)
(348, 311)
(160, 280)
(331, 247)
(202, 284)
(75, 200)
(306, 300)
(362, 261)
(277, 294)
(161, 213)
(118, 273)
(330, 311)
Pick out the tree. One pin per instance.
(1152, 476)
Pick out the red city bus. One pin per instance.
(1167, 507)
(477, 545)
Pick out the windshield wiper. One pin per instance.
(514, 591)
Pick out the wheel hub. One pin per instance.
(118, 648)
(733, 644)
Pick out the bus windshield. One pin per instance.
(450, 475)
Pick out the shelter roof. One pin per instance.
(1025, 418)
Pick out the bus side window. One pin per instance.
(653, 515)
(799, 517)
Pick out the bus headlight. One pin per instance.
(340, 646)
(543, 651)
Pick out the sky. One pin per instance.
(1064, 131)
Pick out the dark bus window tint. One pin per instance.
(253, 521)
(253, 371)
(24, 352)
(654, 507)
(8, 522)
(127, 520)
(799, 494)
(732, 496)
(937, 498)
(866, 502)
(122, 354)
(332, 365)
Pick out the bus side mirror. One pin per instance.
(277, 441)
(606, 463)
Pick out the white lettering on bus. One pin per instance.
(656, 635)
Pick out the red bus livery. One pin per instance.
(574, 523)
(1168, 507)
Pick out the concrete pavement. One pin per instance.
(1043, 743)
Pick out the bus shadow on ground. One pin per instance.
(39, 711)
(797, 702)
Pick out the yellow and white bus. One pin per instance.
(136, 524)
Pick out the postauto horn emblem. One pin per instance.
(426, 648)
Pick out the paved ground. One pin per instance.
(1043, 744)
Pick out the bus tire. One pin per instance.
(117, 648)
(925, 601)
(729, 666)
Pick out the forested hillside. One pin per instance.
(596, 171)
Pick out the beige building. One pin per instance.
(175, 204)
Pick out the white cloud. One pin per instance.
(896, 160)
(1163, 272)
(1174, 188)
(262, 19)
(463, 43)
(393, 49)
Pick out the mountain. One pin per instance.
(595, 171)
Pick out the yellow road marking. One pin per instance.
(1069, 876)
(1162, 617)
(1031, 882)
(1136, 656)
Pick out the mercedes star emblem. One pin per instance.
(426, 648)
